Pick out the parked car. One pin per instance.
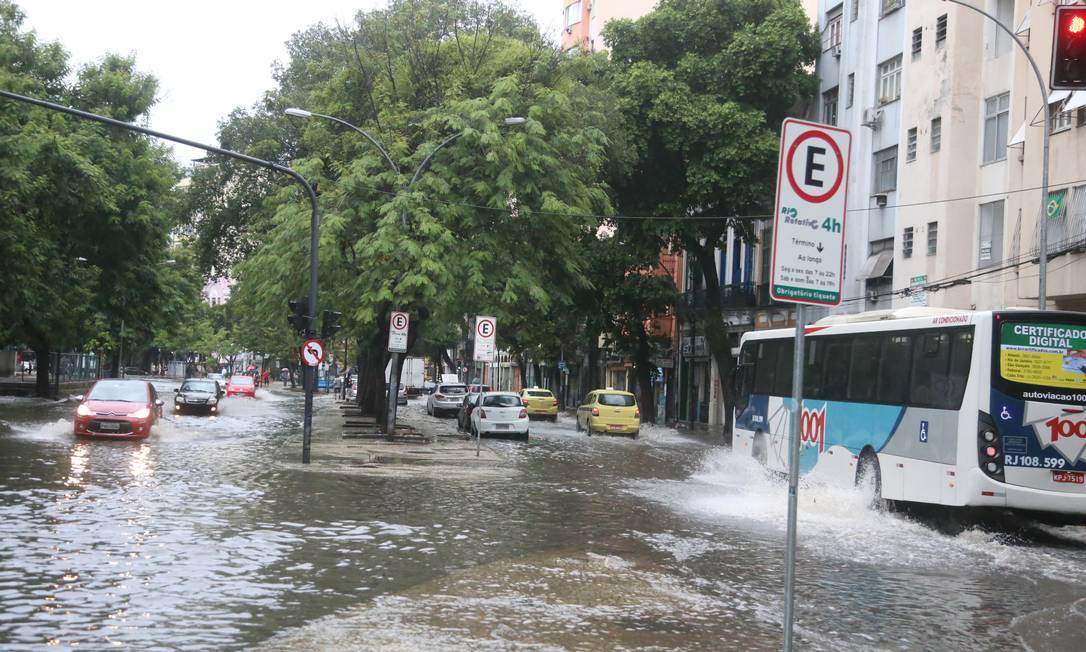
(609, 410)
(463, 415)
(539, 403)
(401, 395)
(240, 385)
(221, 379)
(499, 414)
(445, 399)
(198, 395)
(121, 409)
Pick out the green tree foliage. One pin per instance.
(488, 227)
(84, 207)
(704, 87)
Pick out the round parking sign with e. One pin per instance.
(485, 328)
(815, 166)
(399, 321)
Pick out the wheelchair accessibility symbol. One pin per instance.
(923, 432)
(1005, 414)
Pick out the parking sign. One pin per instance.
(809, 227)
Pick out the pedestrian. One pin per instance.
(265, 377)
(284, 376)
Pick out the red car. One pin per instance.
(121, 409)
(240, 385)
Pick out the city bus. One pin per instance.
(923, 405)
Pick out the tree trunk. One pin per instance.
(444, 357)
(372, 359)
(643, 367)
(593, 365)
(716, 332)
(41, 368)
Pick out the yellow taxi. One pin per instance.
(609, 410)
(539, 403)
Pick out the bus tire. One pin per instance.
(869, 479)
(758, 448)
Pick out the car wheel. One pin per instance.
(554, 419)
(588, 426)
(637, 433)
(578, 422)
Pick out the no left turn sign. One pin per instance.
(312, 353)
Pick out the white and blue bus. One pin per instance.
(935, 406)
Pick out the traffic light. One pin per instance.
(330, 324)
(1069, 49)
(299, 321)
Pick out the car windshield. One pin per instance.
(198, 386)
(539, 393)
(452, 389)
(501, 400)
(617, 400)
(241, 380)
(119, 390)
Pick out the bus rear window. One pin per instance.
(1043, 354)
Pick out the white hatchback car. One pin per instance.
(500, 414)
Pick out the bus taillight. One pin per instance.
(989, 448)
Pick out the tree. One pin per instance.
(84, 206)
(704, 87)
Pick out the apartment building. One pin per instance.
(583, 20)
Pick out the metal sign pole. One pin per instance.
(793, 476)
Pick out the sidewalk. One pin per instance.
(358, 450)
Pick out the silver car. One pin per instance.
(445, 399)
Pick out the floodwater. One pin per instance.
(210, 535)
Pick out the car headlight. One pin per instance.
(83, 411)
(212, 401)
(180, 398)
(141, 413)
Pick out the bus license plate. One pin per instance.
(1071, 477)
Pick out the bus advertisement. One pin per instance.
(956, 408)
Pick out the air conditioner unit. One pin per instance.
(873, 295)
(880, 200)
(836, 51)
(872, 118)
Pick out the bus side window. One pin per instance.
(864, 367)
(893, 380)
(814, 352)
(764, 364)
(744, 375)
(961, 354)
(835, 385)
(782, 374)
(929, 370)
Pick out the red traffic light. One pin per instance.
(1069, 49)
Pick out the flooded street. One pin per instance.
(210, 535)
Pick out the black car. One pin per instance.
(463, 415)
(198, 395)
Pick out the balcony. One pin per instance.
(740, 295)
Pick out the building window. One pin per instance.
(996, 115)
(573, 13)
(829, 106)
(910, 148)
(918, 41)
(854, 12)
(907, 242)
(933, 238)
(940, 31)
(833, 32)
(1060, 119)
(990, 247)
(890, 80)
(891, 5)
(1001, 41)
(886, 170)
(851, 90)
(936, 134)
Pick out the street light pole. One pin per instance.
(393, 375)
(314, 224)
(1042, 243)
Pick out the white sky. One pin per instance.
(209, 56)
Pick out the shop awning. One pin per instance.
(876, 265)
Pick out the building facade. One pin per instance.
(583, 20)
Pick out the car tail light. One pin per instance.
(482, 413)
(440, 397)
(637, 413)
(554, 403)
(989, 448)
(523, 414)
(595, 411)
(525, 402)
